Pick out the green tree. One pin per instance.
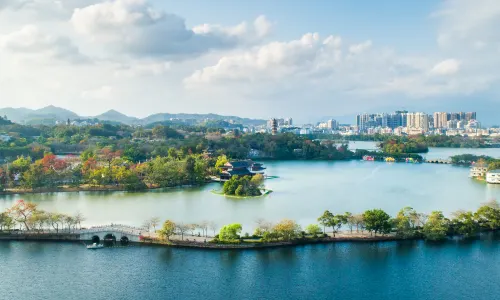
(404, 222)
(436, 227)
(167, 230)
(230, 232)
(325, 219)
(488, 216)
(465, 224)
(377, 221)
(313, 229)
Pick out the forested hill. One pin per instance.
(50, 114)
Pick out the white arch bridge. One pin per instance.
(111, 233)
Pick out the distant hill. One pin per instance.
(115, 116)
(46, 115)
(200, 118)
(50, 114)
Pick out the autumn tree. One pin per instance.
(167, 230)
(22, 211)
(287, 229)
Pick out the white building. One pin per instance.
(417, 122)
(478, 170)
(493, 176)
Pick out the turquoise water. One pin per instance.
(388, 270)
(302, 192)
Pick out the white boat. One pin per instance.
(95, 246)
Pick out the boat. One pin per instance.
(368, 158)
(95, 246)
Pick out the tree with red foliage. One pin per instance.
(109, 155)
(22, 211)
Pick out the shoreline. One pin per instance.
(93, 189)
(74, 238)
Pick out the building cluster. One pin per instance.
(404, 122)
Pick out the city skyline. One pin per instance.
(255, 59)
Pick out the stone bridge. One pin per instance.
(111, 234)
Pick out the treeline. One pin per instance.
(105, 168)
(27, 216)
(431, 140)
(469, 159)
(142, 143)
(394, 146)
(407, 224)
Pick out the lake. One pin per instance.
(302, 192)
(387, 270)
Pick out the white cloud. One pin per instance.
(136, 27)
(360, 48)
(100, 93)
(30, 40)
(446, 67)
(143, 68)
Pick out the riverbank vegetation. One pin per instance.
(469, 159)
(103, 169)
(374, 224)
(440, 141)
(26, 216)
(394, 146)
(244, 186)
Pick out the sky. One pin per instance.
(302, 59)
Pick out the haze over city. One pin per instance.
(258, 59)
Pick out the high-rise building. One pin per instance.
(332, 124)
(418, 121)
(440, 119)
(470, 116)
(288, 122)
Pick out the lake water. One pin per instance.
(302, 192)
(388, 270)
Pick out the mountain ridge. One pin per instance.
(53, 113)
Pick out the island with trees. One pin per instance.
(25, 218)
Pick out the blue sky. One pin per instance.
(303, 59)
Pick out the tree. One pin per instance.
(154, 222)
(213, 226)
(54, 219)
(167, 230)
(22, 211)
(6, 222)
(350, 220)
(325, 219)
(79, 218)
(204, 227)
(182, 229)
(488, 216)
(404, 222)
(359, 222)
(230, 232)
(221, 161)
(465, 224)
(287, 229)
(377, 220)
(313, 229)
(436, 227)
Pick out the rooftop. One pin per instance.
(497, 171)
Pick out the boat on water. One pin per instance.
(95, 246)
